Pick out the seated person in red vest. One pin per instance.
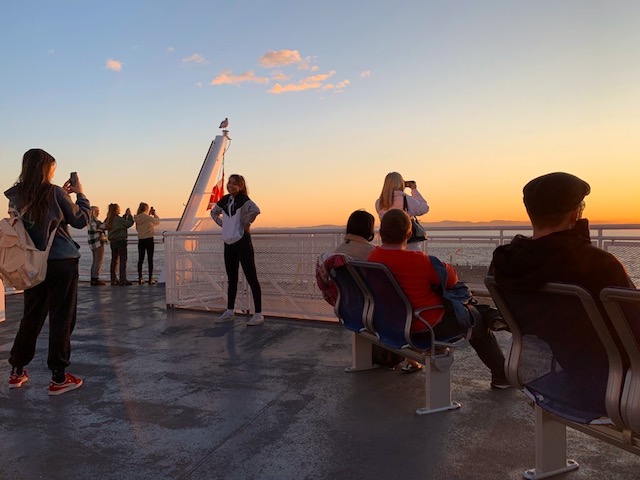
(416, 276)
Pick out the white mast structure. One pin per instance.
(197, 209)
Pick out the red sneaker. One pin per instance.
(70, 383)
(16, 381)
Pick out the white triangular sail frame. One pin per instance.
(196, 213)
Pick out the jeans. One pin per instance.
(119, 256)
(98, 255)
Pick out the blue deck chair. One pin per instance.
(548, 355)
(623, 308)
(393, 314)
(352, 306)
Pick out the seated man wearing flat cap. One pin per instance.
(560, 250)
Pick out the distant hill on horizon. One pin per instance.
(461, 223)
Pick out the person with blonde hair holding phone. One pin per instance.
(393, 196)
(146, 221)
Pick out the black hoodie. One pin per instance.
(567, 256)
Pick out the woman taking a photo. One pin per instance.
(117, 227)
(46, 208)
(146, 221)
(235, 213)
(393, 196)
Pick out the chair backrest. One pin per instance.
(623, 308)
(353, 307)
(562, 351)
(392, 311)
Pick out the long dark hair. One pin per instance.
(361, 223)
(112, 213)
(35, 184)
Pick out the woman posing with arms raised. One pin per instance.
(235, 213)
(393, 196)
(146, 221)
(117, 227)
(46, 208)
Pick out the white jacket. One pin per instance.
(416, 204)
(234, 214)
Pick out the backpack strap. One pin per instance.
(440, 269)
(459, 306)
(14, 212)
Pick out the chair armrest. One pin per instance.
(434, 341)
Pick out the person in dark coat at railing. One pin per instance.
(560, 250)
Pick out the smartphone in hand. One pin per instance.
(73, 179)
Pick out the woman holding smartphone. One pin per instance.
(46, 208)
(393, 196)
(146, 221)
(118, 238)
(235, 213)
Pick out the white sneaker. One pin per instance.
(227, 316)
(257, 319)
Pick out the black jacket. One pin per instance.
(566, 257)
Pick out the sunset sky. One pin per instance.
(471, 99)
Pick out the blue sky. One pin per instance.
(470, 99)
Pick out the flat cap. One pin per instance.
(554, 193)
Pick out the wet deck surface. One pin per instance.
(171, 395)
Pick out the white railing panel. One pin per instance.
(286, 260)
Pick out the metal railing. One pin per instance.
(286, 261)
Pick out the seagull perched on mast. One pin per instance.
(224, 123)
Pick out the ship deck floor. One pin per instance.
(169, 394)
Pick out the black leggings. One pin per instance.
(145, 245)
(241, 253)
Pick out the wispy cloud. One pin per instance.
(279, 58)
(114, 65)
(195, 58)
(288, 65)
(336, 88)
(227, 77)
(280, 77)
(171, 49)
(365, 74)
(313, 82)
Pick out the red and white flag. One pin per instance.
(218, 187)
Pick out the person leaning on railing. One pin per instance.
(560, 250)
